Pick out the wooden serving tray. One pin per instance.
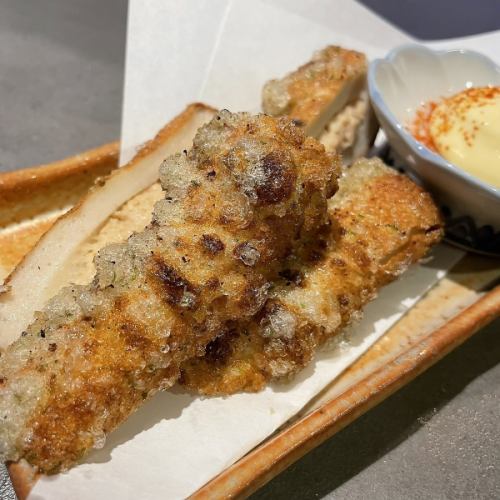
(452, 311)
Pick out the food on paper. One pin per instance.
(250, 191)
(380, 223)
(245, 270)
(328, 97)
(55, 260)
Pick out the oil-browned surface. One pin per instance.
(29, 192)
(380, 223)
(306, 92)
(425, 317)
(97, 351)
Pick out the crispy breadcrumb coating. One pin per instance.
(236, 206)
(381, 222)
(304, 93)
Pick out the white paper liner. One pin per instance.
(222, 51)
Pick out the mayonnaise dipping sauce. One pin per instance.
(465, 130)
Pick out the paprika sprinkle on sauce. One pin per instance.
(465, 130)
(420, 125)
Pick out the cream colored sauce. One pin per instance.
(465, 129)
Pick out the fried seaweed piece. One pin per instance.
(236, 205)
(380, 223)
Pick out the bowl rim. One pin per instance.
(417, 147)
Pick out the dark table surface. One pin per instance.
(61, 74)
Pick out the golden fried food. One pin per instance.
(250, 191)
(304, 93)
(381, 222)
(328, 97)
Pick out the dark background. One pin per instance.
(61, 75)
(431, 20)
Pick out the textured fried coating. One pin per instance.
(306, 92)
(381, 222)
(236, 206)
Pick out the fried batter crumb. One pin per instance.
(381, 222)
(307, 91)
(97, 351)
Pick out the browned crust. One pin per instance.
(276, 454)
(28, 192)
(31, 191)
(260, 466)
(309, 94)
(23, 479)
(49, 178)
(379, 231)
(171, 128)
(66, 422)
(43, 175)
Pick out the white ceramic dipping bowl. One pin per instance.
(411, 75)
